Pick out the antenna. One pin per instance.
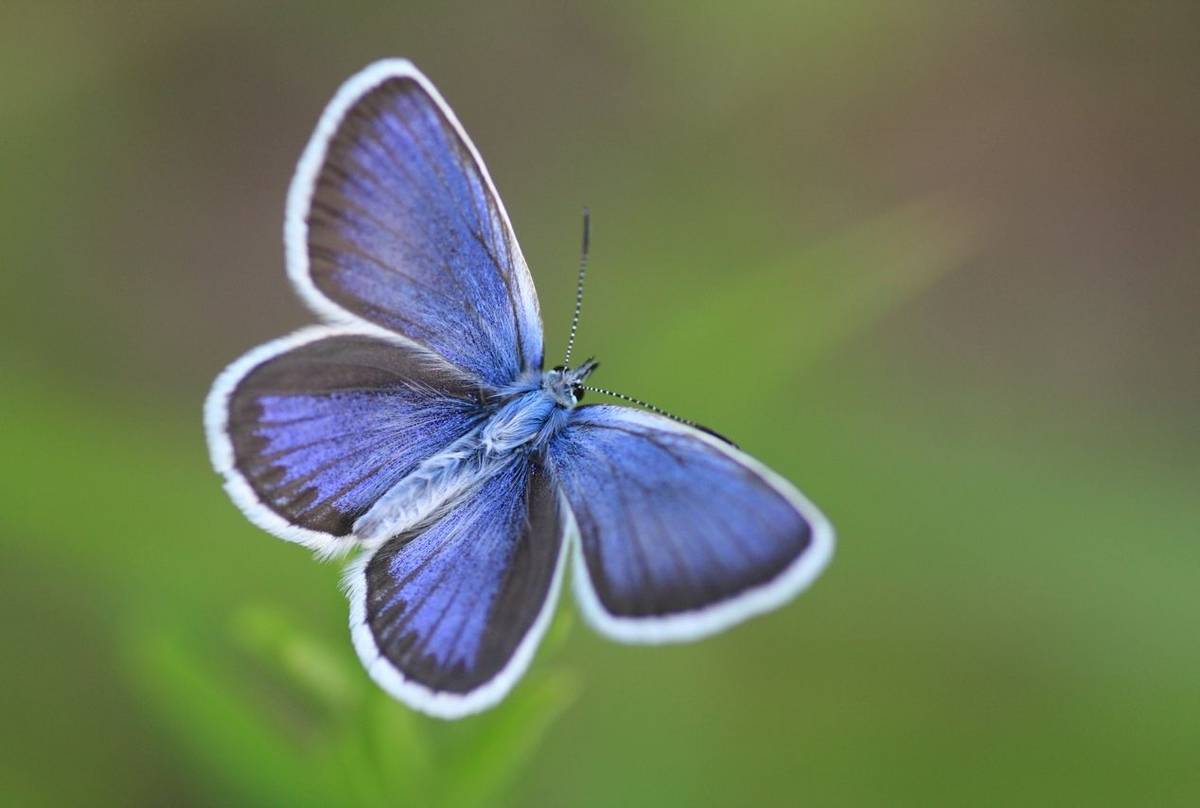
(583, 262)
(654, 409)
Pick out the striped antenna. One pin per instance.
(640, 403)
(583, 262)
(657, 411)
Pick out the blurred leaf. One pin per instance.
(503, 739)
(221, 728)
(305, 661)
(253, 739)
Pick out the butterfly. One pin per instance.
(419, 427)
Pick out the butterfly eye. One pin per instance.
(558, 368)
(577, 391)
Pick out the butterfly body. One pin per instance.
(420, 429)
(525, 421)
(521, 421)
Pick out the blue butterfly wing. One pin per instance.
(393, 219)
(310, 430)
(447, 618)
(680, 535)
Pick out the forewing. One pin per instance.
(447, 619)
(310, 430)
(392, 219)
(680, 534)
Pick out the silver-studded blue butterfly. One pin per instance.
(420, 426)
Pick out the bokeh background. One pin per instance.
(937, 263)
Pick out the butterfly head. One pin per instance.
(565, 385)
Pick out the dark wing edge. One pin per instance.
(220, 442)
(696, 624)
(445, 704)
(308, 170)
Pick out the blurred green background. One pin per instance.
(936, 263)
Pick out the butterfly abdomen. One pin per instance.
(429, 490)
(523, 422)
